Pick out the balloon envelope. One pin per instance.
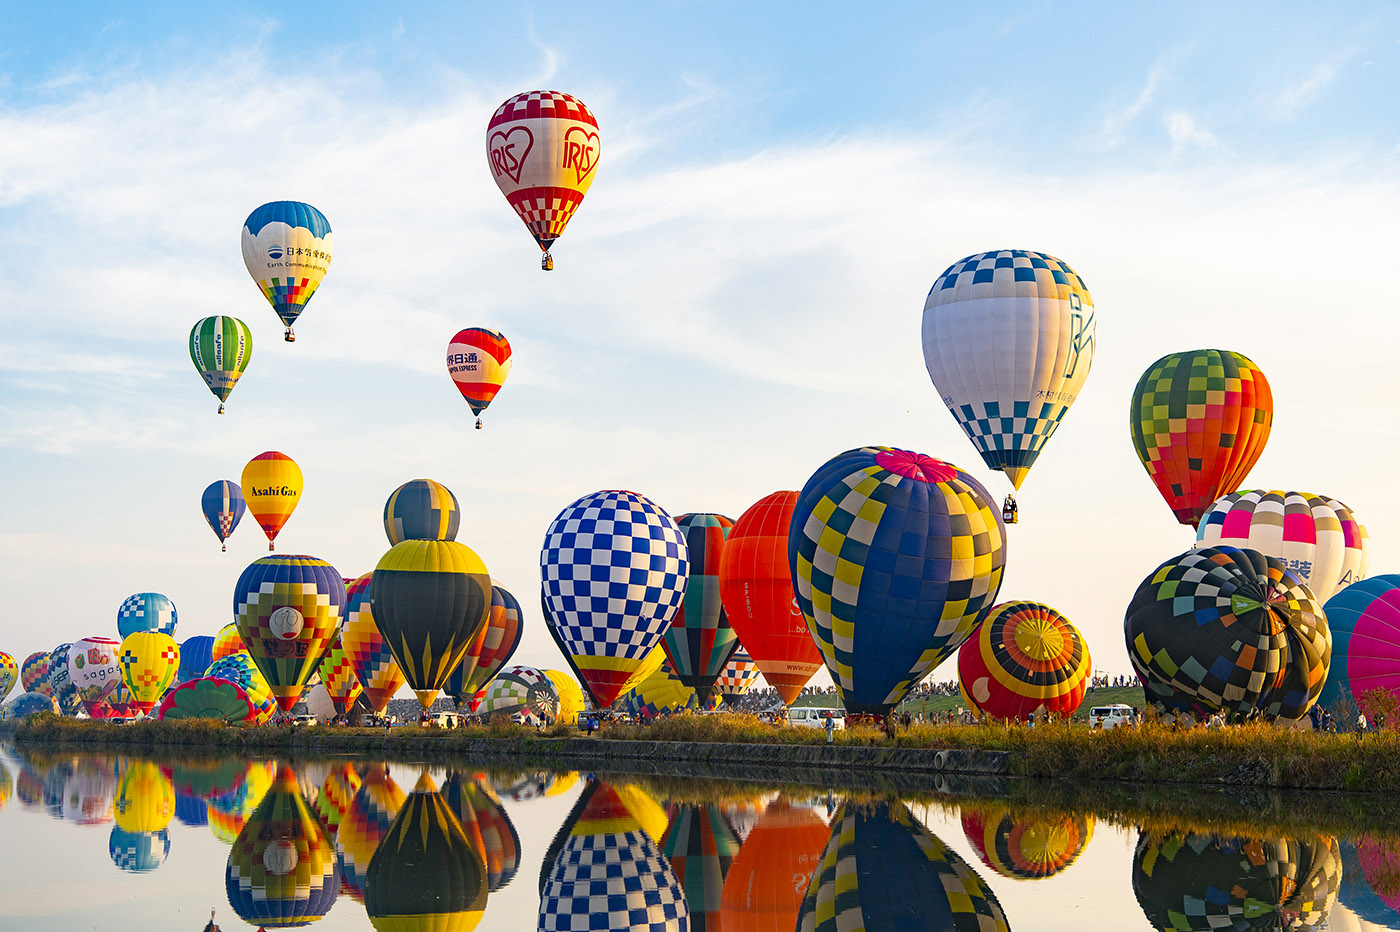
(700, 639)
(223, 507)
(9, 674)
(1025, 657)
(1026, 846)
(196, 654)
(147, 611)
(478, 361)
(489, 651)
(93, 670)
(522, 689)
(241, 669)
(1009, 338)
(1364, 620)
(271, 484)
(34, 673)
(227, 642)
(614, 570)
(739, 674)
(287, 608)
(1199, 421)
(369, 654)
(421, 509)
(895, 557)
(206, 697)
(287, 250)
(149, 661)
(221, 348)
(338, 676)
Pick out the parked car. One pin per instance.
(304, 720)
(812, 717)
(1108, 717)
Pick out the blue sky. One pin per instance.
(737, 300)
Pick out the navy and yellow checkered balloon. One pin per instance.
(421, 509)
(1223, 629)
(894, 556)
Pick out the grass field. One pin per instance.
(1127, 695)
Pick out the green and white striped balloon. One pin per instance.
(220, 348)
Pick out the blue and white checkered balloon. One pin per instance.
(146, 611)
(614, 567)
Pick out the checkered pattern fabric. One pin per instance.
(546, 211)
(700, 639)
(309, 585)
(147, 611)
(895, 556)
(1007, 272)
(1225, 629)
(33, 674)
(610, 881)
(227, 643)
(739, 674)
(138, 852)
(1012, 438)
(1305, 531)
(613, 567)
(1024, 657)
(1199, 422)
(369, 653)
(9, 672)
(366, 822)
(542, 104)
(338, 676)
(149, 661)
(882, 869)
(521, 689)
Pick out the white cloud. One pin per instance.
(1293, 98)
(1185, 132)
(1123, 114)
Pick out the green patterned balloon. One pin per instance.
(220, 348)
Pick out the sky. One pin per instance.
(738, 299)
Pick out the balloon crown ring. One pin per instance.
(913, 465)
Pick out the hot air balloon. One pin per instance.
(240, 668)
(499, 841)
(149, 661)
(739, 674)
(287, 609)
(197, 653)
(338, 676)
(649, 665)
(282, 869)
(430, 598)
(421, 509)
(9, 672)
(27, 704)
(478, 361)
(489, 651)
(223, 507)
(522, 689)
(1203, 883)
(1024, 658)
(1199, 421)
(700, 639)
(758, 595)
(287, 249)
(93, 670)
(895, 557)
(570, 696)
(34, 673)
(1363, 619)
(65, 693)
(147, 611)
(609, 872)
(699, 844)
(771, 872)
(662, 693)
(1224, 629)
(1305, 531)
(425, 874)
(206, 697)
(366, 823)
(1029, 845)
(220, 348)
(1008, 341)
(227, 643)
(614, 570)
(271, 482)
(138, 852)
(543, 147)
(374, 664)
(882, 869)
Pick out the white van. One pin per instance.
(1108, 717)
(816, 718)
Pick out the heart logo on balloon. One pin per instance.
(509, 149)
(580, 151)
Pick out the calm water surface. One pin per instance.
(101, 841)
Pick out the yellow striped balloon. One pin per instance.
(271, 484)
(149, 661)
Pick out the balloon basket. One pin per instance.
(1010, 512)
(290, 337)
(221, 409)
(224, 548)
(270, 546)
(547, 262)
(478, 423)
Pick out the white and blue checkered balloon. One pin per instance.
(146, 611)
(614, 567)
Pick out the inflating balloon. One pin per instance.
(1363, 619)
(1025, 658)
(662, 693)
(147, 611)
(288, 609)
(206, 697)
(338, 676)
(700, 639)
(421, 509)
(1199, 421)
(613, 568)
(570, 696)
(430, 598)
(759, 601)
(271, 483)
(223, 506)
(220, 348)
(1315, 536)
(895, 557)
(241, 669)
(543, 147)
(519, 689)
(1227, 630)
(478, 361)
(287, 249)
(28, 704)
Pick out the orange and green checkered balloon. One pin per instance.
(287, 609)
(149, 661)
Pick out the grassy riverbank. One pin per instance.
(1253, 755)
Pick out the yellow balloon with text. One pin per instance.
(271, 484)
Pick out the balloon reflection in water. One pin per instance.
(425, 874)
(145, 798)
(229, 811)
(768, 877)
(500, 844)
(138, 852)
(7, 785)
(1209, 882)
(882, 869)
(1027, 846)
(365, 824)
(282, 869)
(89, 792)
(608, 846)
(700, 845)
(337, 793)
